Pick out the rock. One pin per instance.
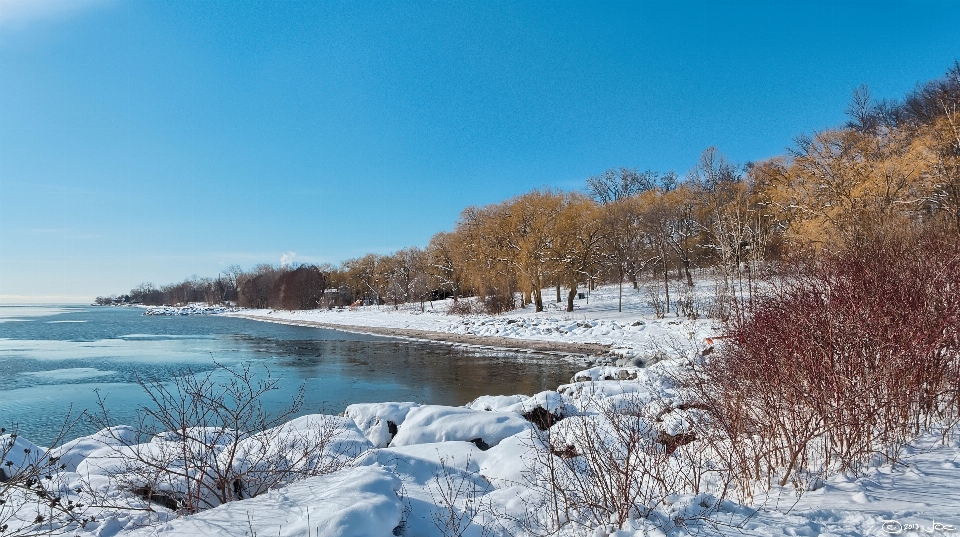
(623, 374)
(481, 445)
(542, 418)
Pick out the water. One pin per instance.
(56, 360)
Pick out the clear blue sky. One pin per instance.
(150, 141)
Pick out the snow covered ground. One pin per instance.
(634, 334)
(478, 470)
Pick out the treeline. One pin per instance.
(894, 166)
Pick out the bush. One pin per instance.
(851, 356)
(597, 469)
(35, 498)
(464, 306)
(499, 302)
(205, 440)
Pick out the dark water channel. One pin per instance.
(53, 359)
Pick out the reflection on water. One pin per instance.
(48, 365)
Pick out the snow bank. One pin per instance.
(18, 452)
(354, 502)
(549, 400)
(499, 403)
(433, 447)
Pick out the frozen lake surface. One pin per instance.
(55, 358)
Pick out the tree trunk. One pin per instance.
(666, 282)
(620, 294)
(570, 296)
(559, 300)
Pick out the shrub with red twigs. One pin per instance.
(846, 359)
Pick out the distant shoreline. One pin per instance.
(512, 344)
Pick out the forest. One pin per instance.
(891, 170)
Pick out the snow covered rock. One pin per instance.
(606, 373)
(379, 421)
(507, 462)
(18, 452)
(72, 453)
(434, 423)
(499, 403)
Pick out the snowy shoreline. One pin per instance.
(391, 461)
(585, 352)
(594, 333)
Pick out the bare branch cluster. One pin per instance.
(205, 440)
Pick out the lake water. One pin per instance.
(53, 359)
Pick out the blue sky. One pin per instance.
(151, 141)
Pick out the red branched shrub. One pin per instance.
(851, 356)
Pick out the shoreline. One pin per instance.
(510, 344)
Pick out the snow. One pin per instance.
(355, 502)
(922, 491)
(398, 486)
(434, 423)
(549, 400)
(190, 309)
(374, 419)
(18, 452)
(74, 452)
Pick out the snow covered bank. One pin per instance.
(355, 502)
(485, 469)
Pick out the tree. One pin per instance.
(368, 277)
(301, 288)
(511, 242)
(579, 233)
(407, 279)
(626, 246)
(942, 142)
(620, 183)
(445, 263)
(683, 206)
(657, 221)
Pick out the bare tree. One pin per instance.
(620, 183)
